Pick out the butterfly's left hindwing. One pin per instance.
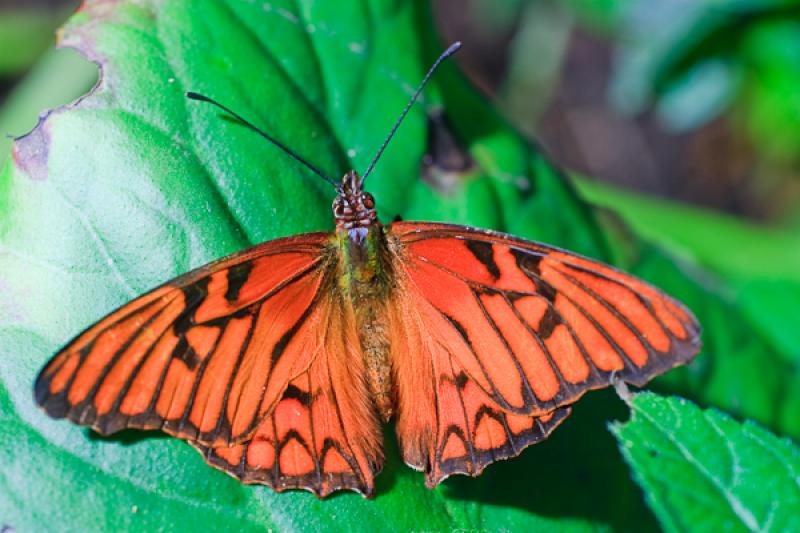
(204, 356)
(323, 435)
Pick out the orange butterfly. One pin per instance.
(280, 362)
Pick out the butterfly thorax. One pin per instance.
(364, 280)
(360, 237)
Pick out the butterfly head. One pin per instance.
(353, 207)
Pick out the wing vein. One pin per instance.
(267, 295)
(562, 382)
(639, 296)
(611, 308)
(509, 435)
(259, 416)
(538, 281)
(135, 372)
(239, 358)
(352, 456)
(468, 433)
(310, 408)
(278, 444)
(504, 341)
(616, 314)
(196, 384)
(112, 361)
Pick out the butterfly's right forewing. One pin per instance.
(536, 326)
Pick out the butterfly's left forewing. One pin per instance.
(203, 357)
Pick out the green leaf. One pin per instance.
(772, 114)
(703, 471)
(135, 184)
(714, 57)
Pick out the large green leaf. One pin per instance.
(703, 471)
(135, 184)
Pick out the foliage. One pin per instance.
(722, 475)
(25, 33)
(698, 60)
(135, 184)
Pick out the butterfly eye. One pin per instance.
(338, 209)
(369, 201)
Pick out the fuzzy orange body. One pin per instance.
(280, 363)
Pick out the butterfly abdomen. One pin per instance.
(364, 279)
(373, 333)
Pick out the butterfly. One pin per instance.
(280, 363)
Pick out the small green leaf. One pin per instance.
(703, 471)
(25, 34)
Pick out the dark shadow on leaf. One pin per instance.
(387, 478)
(127, 436)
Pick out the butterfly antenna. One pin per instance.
(452, 49)
(312, 168)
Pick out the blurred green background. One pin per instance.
(691, 100)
